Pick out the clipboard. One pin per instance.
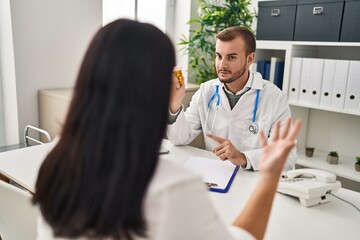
(163, 150)
(214, 171)
(226, 189)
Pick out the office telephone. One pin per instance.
(311, 186)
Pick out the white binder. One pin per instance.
(317, 67)
(327, 82)
(340, 81)
(305, 80)
(353, 87)
(294, 83)
(273, 62)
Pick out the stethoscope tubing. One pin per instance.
(256, 105)
(216, 96)
(212, 98)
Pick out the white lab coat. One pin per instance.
(234, 124)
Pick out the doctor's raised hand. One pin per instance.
(274, 153)
(177, 94)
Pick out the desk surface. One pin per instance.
(22, 165)
(288, 220)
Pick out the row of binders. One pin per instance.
(325, 82)
(272, 70)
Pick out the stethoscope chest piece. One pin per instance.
(254, 128)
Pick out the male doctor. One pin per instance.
(231, 109)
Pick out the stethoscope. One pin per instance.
(214, 97)
(253, 128)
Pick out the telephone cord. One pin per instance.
(346, 201)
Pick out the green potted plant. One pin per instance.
(333, 157)
(357, 163)
(212, 18)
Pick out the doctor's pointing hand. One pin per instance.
(227, 151)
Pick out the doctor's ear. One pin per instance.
(250, 58)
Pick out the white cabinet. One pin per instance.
(54, 104)
(53, 107)
(324, 128)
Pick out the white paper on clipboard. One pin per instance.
(212, 170)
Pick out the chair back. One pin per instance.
(44, 135)
(17, 214)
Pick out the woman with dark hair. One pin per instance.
(103, 179)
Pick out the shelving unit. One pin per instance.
(324, 109)
(343, 169)
(324, 128)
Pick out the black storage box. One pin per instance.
(350, 30)
(318, 20)
(276, 20)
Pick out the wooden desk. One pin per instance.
(288, 220)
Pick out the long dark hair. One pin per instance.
(94, 181)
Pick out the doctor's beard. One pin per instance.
(234, 77)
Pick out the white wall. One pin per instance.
(328, 131)
(9, 133)
(182, 14)
(2, 124)
(114, 9)
(50, 38)
(152, 12)
(168, 15)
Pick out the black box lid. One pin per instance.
(317, 1)
(277, 3)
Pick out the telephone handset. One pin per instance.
(311, 186)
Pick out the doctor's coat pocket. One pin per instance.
(250, 139)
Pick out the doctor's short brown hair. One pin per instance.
(230, 33)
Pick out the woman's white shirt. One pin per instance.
(177, 207)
